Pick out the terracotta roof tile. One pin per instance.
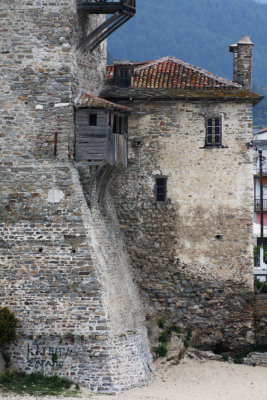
(169, 72)
(89, 100)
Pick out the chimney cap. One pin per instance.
(245, 40)
(233, 48)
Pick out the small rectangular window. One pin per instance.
(93, 119)
(161, 189)
(213, 131)
(115, 124)
(124, 78)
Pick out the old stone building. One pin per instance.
(185, 202)
(183, 196)
(64, 269)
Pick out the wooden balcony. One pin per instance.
(108, 7)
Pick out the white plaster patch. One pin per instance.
(39, 107)
(55, 196)
(61, 105)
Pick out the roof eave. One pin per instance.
(216, 94)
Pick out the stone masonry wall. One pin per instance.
(72, 293)
(192, 256)
(260, 310)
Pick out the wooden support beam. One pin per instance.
(123, 10)
(109, 31)
(100, 8)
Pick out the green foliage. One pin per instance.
(54, 357)
(161, 323)
(8, 325)
(176, 329)
(225, 356)
(238, 357)
(187, 339)
(261, 287)
(35, 384)
(165, 335)
(161, 350)
(6, 358)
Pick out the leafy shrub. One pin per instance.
(225, 356)
(35, 384)
(161, 323)
(161, 350)
(187, 339)
(176, 329)
(164, 337)
(8, 325)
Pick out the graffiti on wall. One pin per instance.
(40, 356)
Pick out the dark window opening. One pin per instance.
(93, 119)
(124, 78)
(115, 124)
(219, 237)
(40, 250)
(125, 124)
(120, 125)
(161, 189)
(109, 119)
(213, 131)
(55, 144)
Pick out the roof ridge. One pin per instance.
(191, 67)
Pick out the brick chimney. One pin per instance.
(242, 71)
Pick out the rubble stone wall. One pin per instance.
(192, 257)
(63, 272)
(261, 318)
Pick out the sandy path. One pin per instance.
(192, 380)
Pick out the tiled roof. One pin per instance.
(261, 131)
(169, 72)
(89, 100)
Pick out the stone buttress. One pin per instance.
(64, 270)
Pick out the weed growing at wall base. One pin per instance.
(8, 325)
(36, 384)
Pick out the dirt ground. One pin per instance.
(192, 379)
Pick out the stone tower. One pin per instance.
(64, 270)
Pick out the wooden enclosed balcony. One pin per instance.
(108, 7)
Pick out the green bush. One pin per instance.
(161, 350)
(8, 325)
(36, 384)
(161, 323)
(187, 339)
(225, 356)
